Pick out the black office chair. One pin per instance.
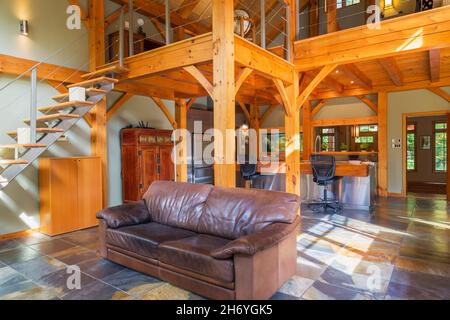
(248, 172)
(323, 169)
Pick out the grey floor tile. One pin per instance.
(38, 267)
(97, 290)
(17, 255)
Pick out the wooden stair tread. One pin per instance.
(11, 162)
(92, 82)
(13, 133)
(28, 145)
(56, 116)
(89, 92)
(112, 69)
(65, 105)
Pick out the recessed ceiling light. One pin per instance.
(352, 82)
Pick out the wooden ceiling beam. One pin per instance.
(284, 96)
(244, 109)
(359, 77)
(434, 57)
(441, 93)
(186, 8)
(242, 76)
(391, 67)
(314, 83)
(418, 32)
(318, 106)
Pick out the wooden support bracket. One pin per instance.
(369, 103)
(284, 96)
(243, 75)
(200, 77)
(166, 111)
(119, 103)
(314, 83)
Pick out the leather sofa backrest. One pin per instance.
(177, 204)
(233, 213)
(223, 212)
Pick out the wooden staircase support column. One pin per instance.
(292, 135)
(224, 92)
(182, 140)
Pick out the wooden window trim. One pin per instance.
(433, 146)
(416, 145)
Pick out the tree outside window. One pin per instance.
(440, 146)
(411, 147)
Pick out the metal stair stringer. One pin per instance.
(12, 171)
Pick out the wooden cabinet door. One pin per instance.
(148, 164)
(166, 170)
(131, 177)
(89, 191)
(64, 194)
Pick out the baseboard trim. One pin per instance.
(18, 234)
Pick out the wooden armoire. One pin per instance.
(146, 157)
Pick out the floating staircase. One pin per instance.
(53, 122)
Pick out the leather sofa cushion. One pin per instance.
(233, 213)
(194, 254)
(177, 204)
(125, 215)
(144, 239)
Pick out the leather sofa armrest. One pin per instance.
(259, 241)
(125, 215)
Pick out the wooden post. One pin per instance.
(331, 17)
(382, 144)
(224, 91)
(307, 130)
(292, 135)
(99, 143)
(96, 34)
(182, 152)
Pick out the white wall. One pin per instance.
(398, 104)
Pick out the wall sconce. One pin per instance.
(23, 27)
(355, 131)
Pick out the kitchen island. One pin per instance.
(356, 188)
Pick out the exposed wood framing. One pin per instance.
(284, 96)
(307, 130)
(441, 93)
(224, 92)
(262, 61)
(314, 83)
(181, 141)
(200, 77)
(331, 17)
(369, 103)
(96, 34)
(391, 67)
(412, 33)
(243, 75)
(190, 103)
(176, 55)
(186, 8)
(244, 109)
(435, 64)
(162, 106)
(344, 121)
(318, 106)
(352, 71)
(382, 144)
(313, 18)
(114, 16)
(119, 104)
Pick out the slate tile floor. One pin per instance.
(400, 251)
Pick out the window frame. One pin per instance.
(415, 146)
(433, 146)
(322, 134)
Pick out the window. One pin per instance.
(440, 146)
(411, 147)
(346, 3)
(328, 139)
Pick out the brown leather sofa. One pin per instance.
(219, 243)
